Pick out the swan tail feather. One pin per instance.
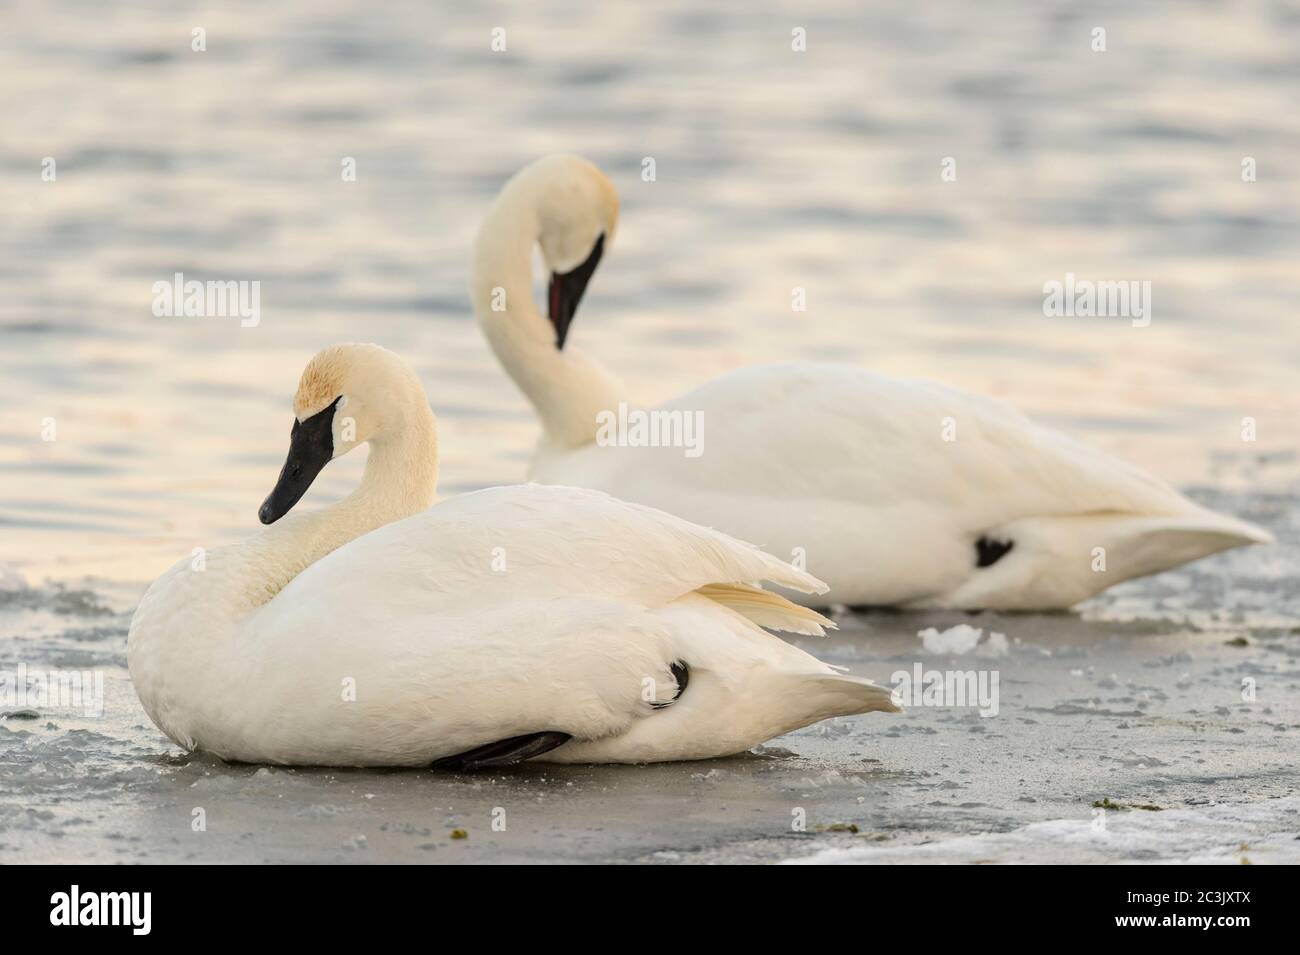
(841, 694)
(768, 609)
(1158, 543)
(1091, 552)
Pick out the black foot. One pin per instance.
(989, 551)
(504, 752)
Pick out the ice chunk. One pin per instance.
(963, 638)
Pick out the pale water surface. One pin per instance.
(775, 170)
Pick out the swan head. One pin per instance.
(348, 395)
(576, 209)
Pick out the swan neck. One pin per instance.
(567, 388)
(400, 480)
(401, 475)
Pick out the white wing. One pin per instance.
(530, 609)
(886, 484)
(535, 541)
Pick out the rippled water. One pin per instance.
(775, 170)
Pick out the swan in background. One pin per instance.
(499, 626)
(895, 492)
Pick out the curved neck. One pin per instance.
(567, 388)
(181, 633)
(400, 479)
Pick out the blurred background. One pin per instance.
(775, 169)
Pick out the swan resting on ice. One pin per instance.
(508, 624)
(896, 492)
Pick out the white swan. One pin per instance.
(897, 492)
(502, 625)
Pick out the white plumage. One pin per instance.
(328, 639)
(888, 488)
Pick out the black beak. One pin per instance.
(566, 291)
(311, 445)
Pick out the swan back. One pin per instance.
(888, 488)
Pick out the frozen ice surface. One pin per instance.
(1190, 706)
(1231, 833)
